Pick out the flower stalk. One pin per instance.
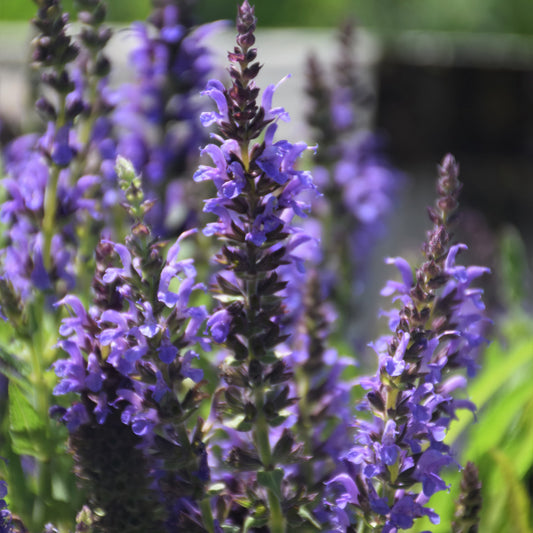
(413, 396)
(257, 193)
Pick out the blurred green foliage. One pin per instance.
(506, 16)
(119, 10)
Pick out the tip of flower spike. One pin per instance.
(449, 166)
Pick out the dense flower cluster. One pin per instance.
(412, 397)
(49, 175)
(131, 359)
(258, 194)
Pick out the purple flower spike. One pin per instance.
(434, 335)
(259, 191)
(130, 360)
(158, 117)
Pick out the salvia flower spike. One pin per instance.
(132, 364)
(258, 188)
(413, 396)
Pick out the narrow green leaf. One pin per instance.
(15, 369)
(500, 365)
(520, 446)
(495, 422)
(517, 502)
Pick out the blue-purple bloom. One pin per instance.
(51, 178)
(132, 362)
(412, 400)
(27, 175)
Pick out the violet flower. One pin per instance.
(357, 181)
(412, 397)
(324, 414)
(157, 114)
(132, 364)
(258, 194)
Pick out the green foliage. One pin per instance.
(506, 16)
(26, 428)
(118, 11)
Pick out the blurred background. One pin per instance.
(441, 77)
(447, 76)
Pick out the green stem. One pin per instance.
(277, 521)
(50, 207)
(262, 442)
(50, 198)
(41, 403)
(305, 425)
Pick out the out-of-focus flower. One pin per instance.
(158, 114)
(358, 183)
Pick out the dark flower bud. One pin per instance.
(283, 447)
(468, 506)
(278, 374)
(46, 109)
(102, 66)
(255, 371)
(250, 412)
(246, 40)
(90, 37)
(56, 412)
(61, 83)
(99, 14)
(244, 460)
(74, 108)
(376, 400)
(251, 72)
(233, 399)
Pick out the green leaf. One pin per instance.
(499, 366)
(494, 426)
(26, 428)
(15, 369)
(520, 445)
(271, 479)
(306, 515)
(516, 497)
